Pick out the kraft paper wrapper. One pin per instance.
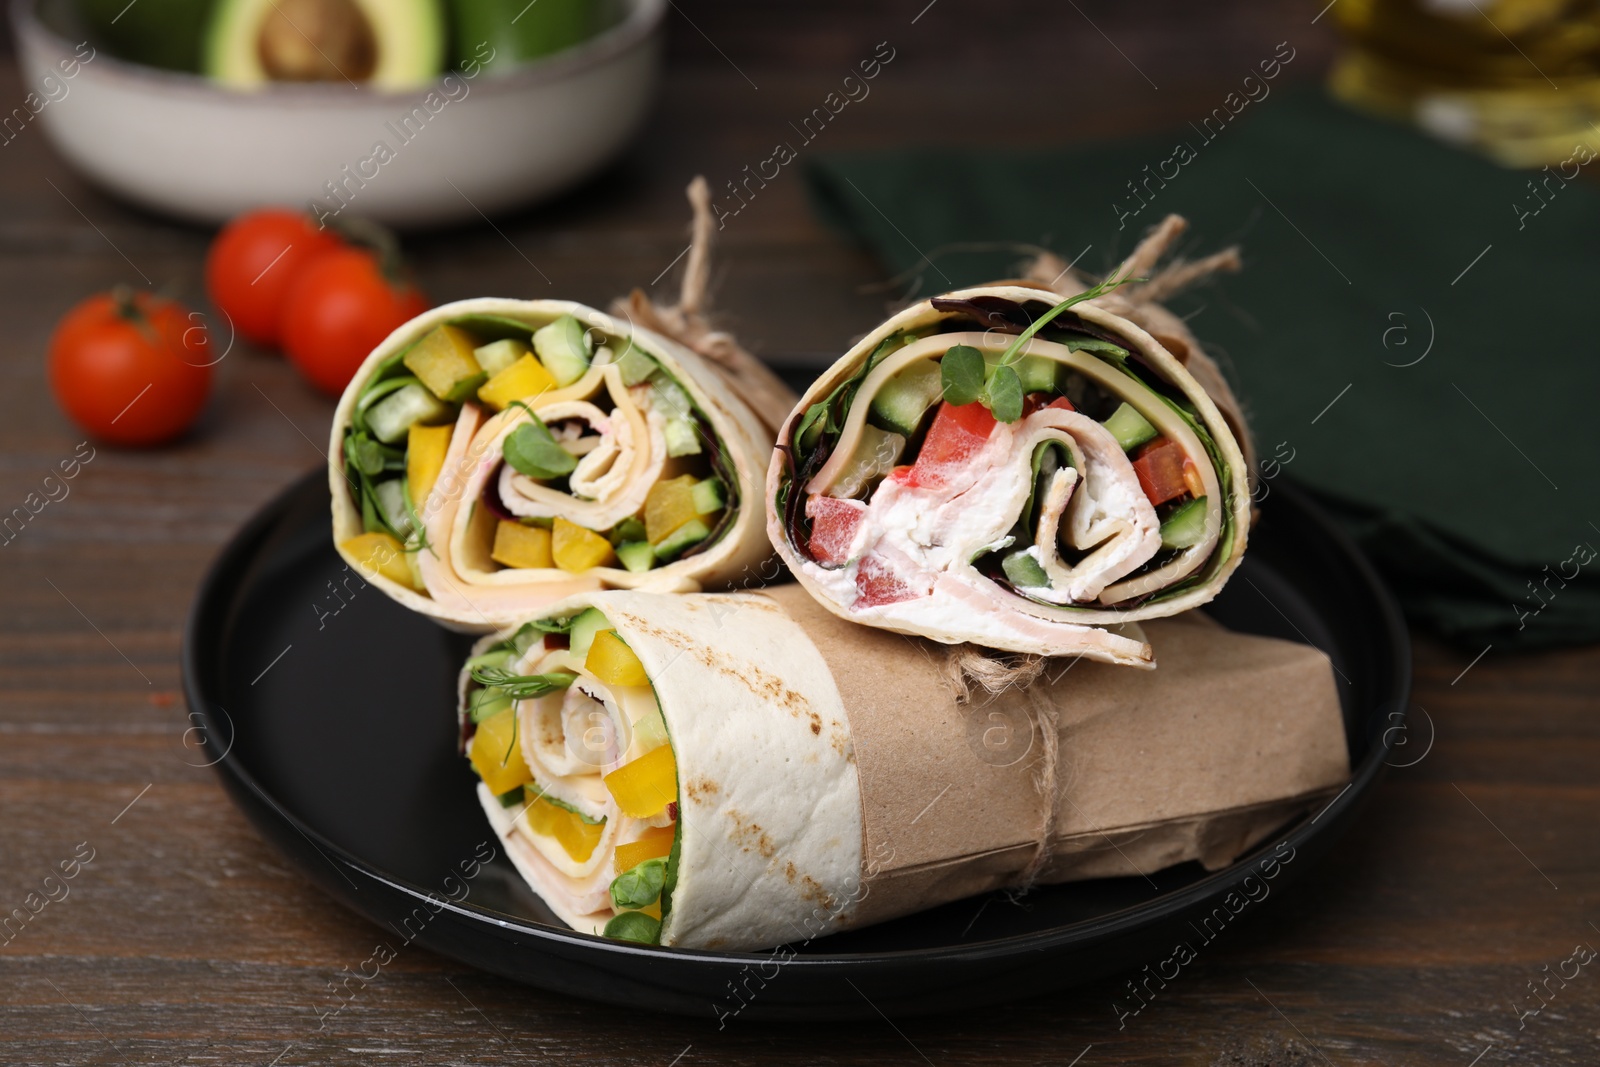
(1230, 738)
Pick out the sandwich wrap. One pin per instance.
(492, 456)
(1029, 466)
(760, 772)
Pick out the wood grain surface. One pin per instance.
(185, 940)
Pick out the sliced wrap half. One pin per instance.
(747, 770)
(493, 456)
(1003, 467)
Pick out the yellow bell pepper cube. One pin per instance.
(669, 505)
(425, 449)
(644, 787)
(443, 361)
(579, 838)
(613, 662)
(524, 547)
(379, 553)
(654, 842)
(577, 550)
(496, 753)
(523, 380)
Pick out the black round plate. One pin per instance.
(328, 711)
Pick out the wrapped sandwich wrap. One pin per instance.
(493, 456)
(1020, 466)
(747, 770)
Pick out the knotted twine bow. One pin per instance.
(686, 322)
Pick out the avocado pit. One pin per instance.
(317, 40)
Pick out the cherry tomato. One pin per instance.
(1159, 466)
(833, 528)
(253, 262)
(132, 369)
(338, 310)
(956, 435)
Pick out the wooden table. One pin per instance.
(186, 940)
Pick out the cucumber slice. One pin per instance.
(487, 703)
(708, 496)
(629, 529)
(1024, 570)
(635, 366)
(670, 398)
(683, 437)
(498, 658)
(904, 399)
(1038, 374)
(650, 732)
(682, 539)
(1048, 457)
(498, 355)
(1130, 428)
(390, 418)
(1185, 526)
(564, 349)
(637, 556)
(392, 502)
(584, 627)
(876, 454)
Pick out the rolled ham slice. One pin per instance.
(1116, 492)
(441, 560)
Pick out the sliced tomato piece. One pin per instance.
(877, 583)
(833, 527)
(1036, 401)
(1159, 466)
(957, 434)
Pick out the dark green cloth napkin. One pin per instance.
(1468, 473)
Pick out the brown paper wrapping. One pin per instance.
(1231, 737)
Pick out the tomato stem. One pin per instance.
(127, 303)
(379, 239)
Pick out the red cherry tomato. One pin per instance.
(132, 369)
(833, 528)
(1159, 466)
(956, 435)
(878, 584)
(338, 310)
(253, 262)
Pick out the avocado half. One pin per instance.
(388, 44)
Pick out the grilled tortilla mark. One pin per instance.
(758, 681)
(698, 789)
(675, 638)
(750, 837)
(812, 890)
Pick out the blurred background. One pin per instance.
(1007, 75)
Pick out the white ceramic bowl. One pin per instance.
(180, 143)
